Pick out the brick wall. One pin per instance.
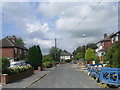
(7, 52)
(107, 45)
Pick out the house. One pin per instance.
(65, 55)
(11, 49)
(104, 45)
(115, 37)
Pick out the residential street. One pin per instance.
(66, 76)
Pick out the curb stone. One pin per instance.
(34, 81)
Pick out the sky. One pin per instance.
(39, 23)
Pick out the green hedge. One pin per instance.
(68, 61)
(17, 70)
(4, 64)
(47, 64)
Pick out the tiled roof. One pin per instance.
(115, 34)
(6, 42)
(107, 38)
(65, 53)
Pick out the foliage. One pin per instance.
(81, 49)
(113, 56)
(78, 56)
(20, 41)
(5, 64)
(90, 55)
(47, 64)
(35, 56)
(47, 58)
(17, 70)
(47, 61)
(54, 51)
(68, 61)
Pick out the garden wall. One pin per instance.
(11, 78)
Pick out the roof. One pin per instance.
(65, 53)
(106, 39)
(115, 34)
(6, 43)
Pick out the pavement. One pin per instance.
(66, 76)
(26, 82)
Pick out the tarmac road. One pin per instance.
(66, 76)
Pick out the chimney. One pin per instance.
(13, 38)
(105, 35)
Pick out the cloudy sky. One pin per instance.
(41, 22)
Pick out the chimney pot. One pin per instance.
(105, 35)
(13, 38)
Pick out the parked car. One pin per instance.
(18, 64)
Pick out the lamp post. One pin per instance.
(84, 35)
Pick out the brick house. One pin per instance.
(115, 37)
(65, 55)
(104, 45)
(11, 49)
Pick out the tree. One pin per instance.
(4, 65)
(54, 51)
(92, 46)
(113, 56)
(90, 55)
(39, 55)
(81, 49)
(47, 61)
(78, 56)
(20, 41)
(35, 56)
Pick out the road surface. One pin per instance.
(66, 76)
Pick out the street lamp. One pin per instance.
(84, 35)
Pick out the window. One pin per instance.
(112, 40)
(20, 51)
(116, 38)
(25, 52)
(15, 50)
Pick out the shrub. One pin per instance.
(5, 64)
(17, 70)
(113, 56)
(47, 64)
(68, 61)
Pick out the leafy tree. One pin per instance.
(113, 56)
(47, 61)
(18, 40)
(81, 49)
(90, 55)
(91, 45)
(35, 56)
(4, 65)
(78, 56)
(54, 51)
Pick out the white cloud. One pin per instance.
(37, 27)
(102, 19)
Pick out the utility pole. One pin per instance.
(55, 50)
